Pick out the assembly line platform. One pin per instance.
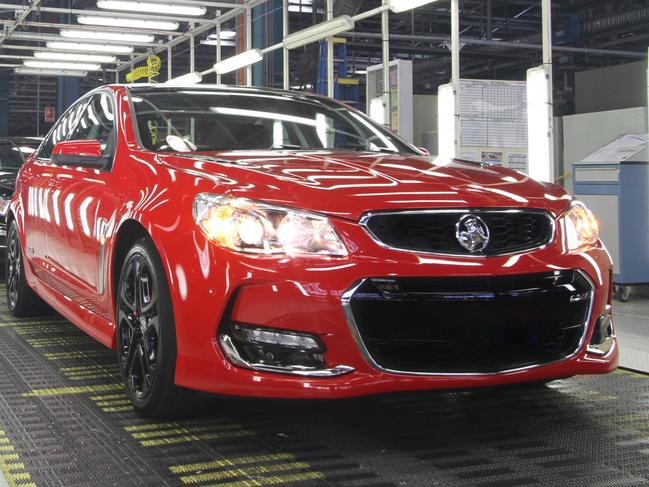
(65, 421)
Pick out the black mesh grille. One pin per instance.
(471, 324)
(434, 232)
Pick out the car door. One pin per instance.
(83, 212)
(39, 196)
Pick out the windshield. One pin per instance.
(188, 121)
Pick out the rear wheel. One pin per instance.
(21, 299)
(146, 338)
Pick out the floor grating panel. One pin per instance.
(65, 421)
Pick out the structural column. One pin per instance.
(4, 103)
(385, 36)
(330, 53)
(455, 72)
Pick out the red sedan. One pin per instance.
(267, 243)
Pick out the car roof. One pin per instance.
(161, 87)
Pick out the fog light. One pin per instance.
(274, 350)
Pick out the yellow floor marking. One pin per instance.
(230, 462)
(77, 354)
(114, 402)
(84, 368)
(106, 397)
(92, 377)
(244, 472)
(157, 426)
(11, 468)
(58, 341)
(121, 409)
(275, 480)
(181, 431)
(60, 391)
(633, 373)
(191, 438)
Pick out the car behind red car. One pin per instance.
(267, 243)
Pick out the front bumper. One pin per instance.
(306, 295)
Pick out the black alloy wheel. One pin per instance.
(21, 299)
(146, 341)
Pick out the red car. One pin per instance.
(266, 243)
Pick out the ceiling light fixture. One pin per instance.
(319, 32)
(128, 22)
(86, 47)
(239, 61)
(63, 66)
(161, 8)
(186, 79)
(398, 6)
(225, 34)
(74, 57)
(49, 72)
(212, 42)
(106, 36)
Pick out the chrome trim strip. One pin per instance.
(346, 303)
(233, 355)
(367, 216)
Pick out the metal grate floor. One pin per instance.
(65, 421)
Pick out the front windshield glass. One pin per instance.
(204, 120)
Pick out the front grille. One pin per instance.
(463, 325)
(434, 231)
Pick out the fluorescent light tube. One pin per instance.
(225, 34)
(398, 6)
(63, 66)
(239, 61)
(159, 8)
(74, 57)
(213, 42)
(106, 36)
(539, 124)
(87, 47)
(446, 121)
(128, 22)
(186, 79)
(319, 32)
(49, 72)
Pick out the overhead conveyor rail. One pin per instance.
(64, 420)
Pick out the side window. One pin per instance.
(61, 129)
(97, 122)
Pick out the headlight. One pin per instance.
(581, 226)
(253, 227)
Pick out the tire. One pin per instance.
(22, 301)
(146, 334)
(623, 293)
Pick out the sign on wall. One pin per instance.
(493, 122)
(49, 115)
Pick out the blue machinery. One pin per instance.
(346, 89)
(617, 192)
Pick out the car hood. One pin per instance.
(349, 184)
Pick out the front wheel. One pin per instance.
(21, 299)
(146, 338)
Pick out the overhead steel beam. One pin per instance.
(197, 3)
(93, 28)
(21, 17)
(34, 37)
(484, 42)
(199, 30)
(105, 13)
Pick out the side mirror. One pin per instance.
(85, 153)
(423, 151)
